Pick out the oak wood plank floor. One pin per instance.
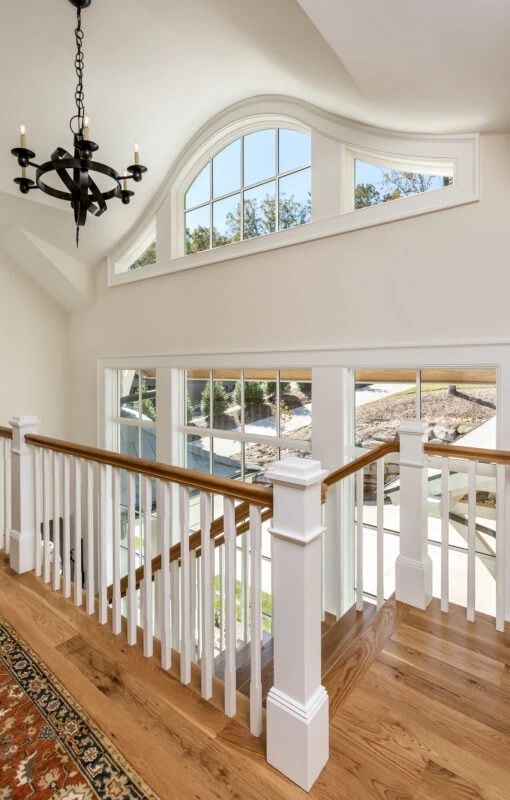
(420, 705)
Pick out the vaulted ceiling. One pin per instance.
(157, 70)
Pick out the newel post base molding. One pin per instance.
(413, 569)
(297, 704)
(22, 533)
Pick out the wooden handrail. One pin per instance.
(195, 541)
(362, 461)
(242, 512)
(238, 490)
(468, 453)
(5, 433)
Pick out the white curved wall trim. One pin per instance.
(336, 142)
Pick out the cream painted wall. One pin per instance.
(34, 352)
(440, 277)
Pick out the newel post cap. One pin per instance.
(413, 427)
(299, 472)
(25, 421)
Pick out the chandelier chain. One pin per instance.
(79, 65)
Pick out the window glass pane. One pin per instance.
(296, 409)
(195, 388)
(198, 229)
(148, 395)
(380, 407)
(128, 393)
(464, 413)
(259, 210)
(258, 459)
(200, 190)
(295, 149)
(259, 156)
(260, 406)
(374, 184)
(147, 257)
(227, 458)
(227, 402)
(227, 170)
(198, 457)
(295, 200)
(293, 453)
(129, 440)
(227, 220)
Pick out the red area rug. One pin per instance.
(49, 748)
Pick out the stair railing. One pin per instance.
(66, 523)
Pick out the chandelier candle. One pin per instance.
(75, 170)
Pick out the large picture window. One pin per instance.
(258, 184)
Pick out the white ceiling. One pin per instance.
(157, 70)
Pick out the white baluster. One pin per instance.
(245, 586)
(500, 547)
(199, 607)
(116, 598)
(471, 556)
(56, 521)
(148, 616)
(359, 540)
(445, 535)
(46, 515)
(185, 586)
(164, 599)
(230, 598)
(175, 610)
(193, 603)
(89, 540)
(221, 586)
(380, 532)
(207, 660)
(103, 533)
(132, 598)
(78, 588)
(66, 551)
(37, 510)
(256, 622)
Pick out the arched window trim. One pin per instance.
(139, 246)
(336, 143)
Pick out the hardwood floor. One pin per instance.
(419, 701)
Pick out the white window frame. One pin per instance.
(139, 246)
(335, 142)
(332, 372)
(244, 187)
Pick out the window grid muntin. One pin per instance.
(243, 188)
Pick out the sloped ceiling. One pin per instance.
(157, 70)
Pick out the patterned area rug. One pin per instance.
(49, 748)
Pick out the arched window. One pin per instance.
(258, 184)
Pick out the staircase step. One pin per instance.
(243, 661)
(337, 637)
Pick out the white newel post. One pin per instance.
(22, 557)
(297, 705)
(413, 572)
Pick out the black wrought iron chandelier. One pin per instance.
(75, 172)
